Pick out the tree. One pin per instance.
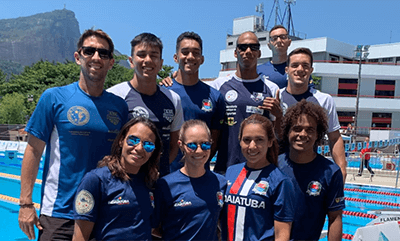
(316, 80)
(164, 72)
(12, 109)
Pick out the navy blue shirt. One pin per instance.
(121, 210)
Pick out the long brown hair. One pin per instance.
(273, 151)
(113, 161)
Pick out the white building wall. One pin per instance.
(329, 85)
(367, 87)
(396, 120)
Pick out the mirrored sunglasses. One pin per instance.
(205, 146)
(148, 146)
(103, 53)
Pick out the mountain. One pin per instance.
(48, 36)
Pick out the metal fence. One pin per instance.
(382, 164)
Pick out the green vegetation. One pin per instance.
(20, 94)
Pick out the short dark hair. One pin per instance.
(113, 161)
(277, 27)
(293, 114)
(99, 34)
(305, 51)
(149, 39)
(273, 151)
(189, 35)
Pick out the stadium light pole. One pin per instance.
(361, 53)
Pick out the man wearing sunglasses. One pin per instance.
(145, 98)
(278, 43)
(245, 93)
(77, 123)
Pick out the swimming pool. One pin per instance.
(359, 200)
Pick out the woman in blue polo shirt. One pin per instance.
(114, 201)
(189, 200)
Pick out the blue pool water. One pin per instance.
(9, 229)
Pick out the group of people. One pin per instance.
(154, 144)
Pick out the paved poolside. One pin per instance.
(381, 178)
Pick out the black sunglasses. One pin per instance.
(253, 47)
(103, 53)
(205, 146)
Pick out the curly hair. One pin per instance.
(273, 151)
(304, 107)
(149, 169)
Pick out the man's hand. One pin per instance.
(273, 105)
(27, 217)
(167, 82)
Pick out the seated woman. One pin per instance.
(189, 200)
(114, 202)
(259, 202)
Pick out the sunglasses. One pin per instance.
(148, 146)
(103, 53)
(205, 146)
(253, 47)
(275, 37)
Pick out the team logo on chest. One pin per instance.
(140, 111)
(220, 199)
(314, 188)
(168, 115)
(231, 95)
(261, 188)
(78, 115)
(84, 202)
(257, 96)
(151, 199)
(207, 105)
(113, 117)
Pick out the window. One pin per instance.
(373, 60)
(381, 121)
(333, 57)
(385, 88)
(347, 87)
(262, 39)
(345, 118)
(230, 43)
(387, 60)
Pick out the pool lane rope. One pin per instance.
(359, 214)
(16, 177)
(373, 192)
(372, 201)
(16, 200)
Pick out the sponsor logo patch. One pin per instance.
(314, 188)
(231, 95)
(231, 121)
(84, 202)
(254, 110)
(339, 199)
(182, 203)
(78, 115)
(118, 201)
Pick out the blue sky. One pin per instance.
(350, 21)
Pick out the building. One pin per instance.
(335, 63)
